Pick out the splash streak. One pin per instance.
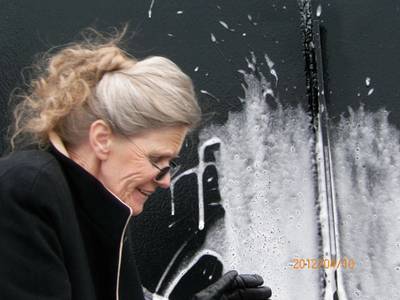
(150, 9)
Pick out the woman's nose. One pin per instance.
(165, 181)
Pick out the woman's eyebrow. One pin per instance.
(168, 155)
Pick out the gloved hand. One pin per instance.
(233, 286)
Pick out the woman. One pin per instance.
(105, 128)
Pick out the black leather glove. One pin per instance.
(233, 286)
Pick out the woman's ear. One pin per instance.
(100, 135)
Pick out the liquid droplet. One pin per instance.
(319, 11)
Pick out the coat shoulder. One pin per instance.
(32, 256)
(26, 172)
(29, 159)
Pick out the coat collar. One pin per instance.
(56, 141)
(104, 209)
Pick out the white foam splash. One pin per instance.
(267, 185)
(366, 161)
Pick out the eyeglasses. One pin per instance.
(172, 169)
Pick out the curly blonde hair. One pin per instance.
(96, 79)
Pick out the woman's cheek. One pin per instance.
(141, 175)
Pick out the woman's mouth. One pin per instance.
(145, 193)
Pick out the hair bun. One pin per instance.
(111, 58)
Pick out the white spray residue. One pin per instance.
(319, 10)
(150, 9)
(368, 81)
(251, 64)
(267, 186)
(366, 164)
(209, 94)
(225, 26)
(271, 64)
(370, 92)
(251, 20)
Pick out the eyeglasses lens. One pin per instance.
(162, 173)
(172, 169)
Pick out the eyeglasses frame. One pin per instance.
(172, 169)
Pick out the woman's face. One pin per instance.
(128, 171)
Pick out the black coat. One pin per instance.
(62, 234)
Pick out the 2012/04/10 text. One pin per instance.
(322, 263)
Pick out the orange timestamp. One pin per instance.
(322, 263)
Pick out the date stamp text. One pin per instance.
(322, 263)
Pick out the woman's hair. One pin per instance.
(96, 79)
